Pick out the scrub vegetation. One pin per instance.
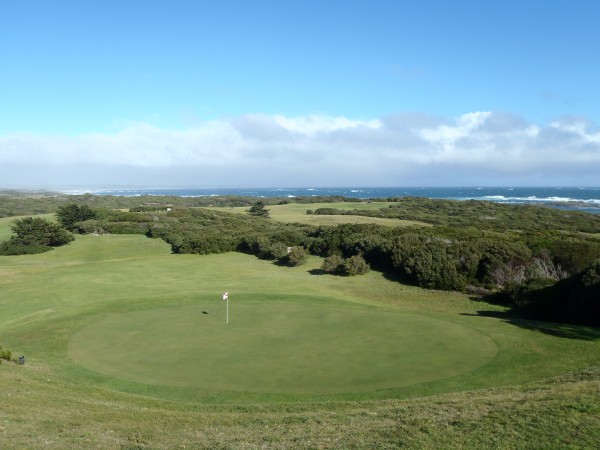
(512, 254)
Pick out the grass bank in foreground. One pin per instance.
(43, 412)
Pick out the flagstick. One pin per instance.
(226, 298)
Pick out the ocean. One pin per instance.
(572, 198)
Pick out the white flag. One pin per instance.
(225, 295)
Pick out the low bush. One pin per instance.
(278, 250)
(6, 355)
(295, 257)
(355, 265)
(337, 265)
(329, 211)
(125, 227)
(89, 227)
(70, 214)
(14, 246)
(333, 264)
(34, 235)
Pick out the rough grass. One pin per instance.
(540, 390)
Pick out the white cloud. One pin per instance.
(578, 127)
(311, 125)
(262, 150)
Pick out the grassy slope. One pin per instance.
(42, 412)
(51, 402)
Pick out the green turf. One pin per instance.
(120, 355)
(85, 289)
(300, 346)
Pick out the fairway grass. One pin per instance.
(296, 213)
(126, 346)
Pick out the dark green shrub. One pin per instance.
(38, 231)
(278, 250)
(520, 294)
(89, 227)
(591, 276)
(295, 257)
(259, 210)
(329, 211)
(333, 264)
(355, 265)
(262, 247)
(150, 209)
(125, 227)
(34, 235)
(70, 214)
(14, 246)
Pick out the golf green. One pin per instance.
(294, 348)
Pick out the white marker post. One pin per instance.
(226, 298)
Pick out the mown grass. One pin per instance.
(5, 230)
(278, 344)
(296, 213)
(540, 390)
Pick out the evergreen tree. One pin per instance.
(259, 210)
(38, 231)
(34, 235)
(70, 214)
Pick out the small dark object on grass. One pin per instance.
(21, 360)
(204, 312)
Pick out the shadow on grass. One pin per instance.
(520, 317)
(398, 278)
(563, 330)
(317, 272)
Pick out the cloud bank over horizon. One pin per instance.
(258, 150)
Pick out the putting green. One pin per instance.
(293, 348)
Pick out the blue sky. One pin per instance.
(294, 93)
